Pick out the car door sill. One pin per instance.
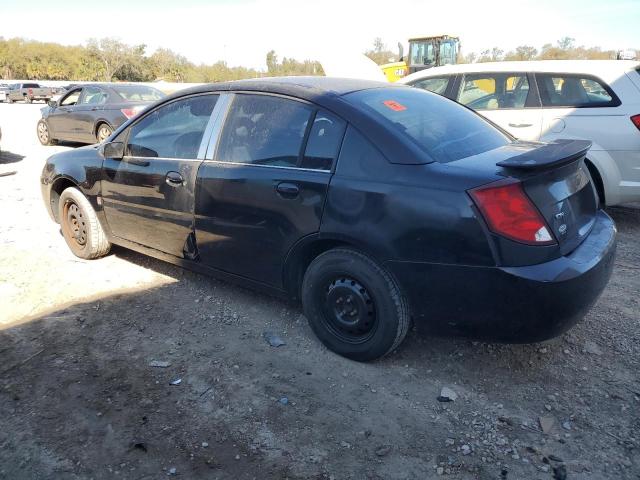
(201, 268)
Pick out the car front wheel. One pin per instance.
(80, 226)
(44, 134)
(353, 305)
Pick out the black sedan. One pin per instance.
(90, 113)
(373, 204)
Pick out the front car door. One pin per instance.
(508, 99)
(263, 185)
(60, 119)
(149, 194)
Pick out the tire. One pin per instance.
(80, 226)
(44, 134)
(27, 99)
(353, 305)
(103, 131)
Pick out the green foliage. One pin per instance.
(380, 53)
(109, 59)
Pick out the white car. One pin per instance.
(597, 100)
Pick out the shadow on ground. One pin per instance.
(7, 157)
(79, 399)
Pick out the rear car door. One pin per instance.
(60, 119)
(264, 184)
(148, 195)
(506, 99)
(86, 112)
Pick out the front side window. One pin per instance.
(564, 90)
(264, 130)
(444, 130)
(173, 130)
(72, 98)
(434, 84)
(495, 91)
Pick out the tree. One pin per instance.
(494, 55)
(113, 55)
(380, 53)
(523, 52)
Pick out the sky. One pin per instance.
(241, 32)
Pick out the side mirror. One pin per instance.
(52, 103)
(114, 150)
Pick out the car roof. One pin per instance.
(603, 68)
(304, 87)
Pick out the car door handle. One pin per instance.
(520, 125)
(288, 190)
(174, 179)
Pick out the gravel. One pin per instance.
(76, 339)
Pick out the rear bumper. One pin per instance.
(511, 304)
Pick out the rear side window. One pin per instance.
(494, 91)
(434, 84)
(30, 85)
(264, 130)
(173, 130)
(444, 130)
(138, 93)
(578, 91)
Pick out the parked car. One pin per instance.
(372, 203)
(4, 89)
(90, 113)
(29, 92)
(597, 100)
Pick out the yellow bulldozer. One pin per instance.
(424, 52)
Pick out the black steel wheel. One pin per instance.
(353, 305)
(80, 225)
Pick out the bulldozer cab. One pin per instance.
(427, 52)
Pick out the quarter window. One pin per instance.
(264, 130)
(494, 91)
(323, 145)
(435, 84)
(173, 130)
(558, 90)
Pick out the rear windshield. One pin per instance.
(138, 93)
(445, 130)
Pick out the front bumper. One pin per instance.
(511, 304)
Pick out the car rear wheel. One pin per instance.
(80, 226)
(44, 135)
(353, 305)
(104, 131)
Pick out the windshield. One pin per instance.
(138, 93)
(443, 129)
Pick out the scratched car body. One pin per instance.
(375, 205)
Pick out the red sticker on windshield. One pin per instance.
(395, 106)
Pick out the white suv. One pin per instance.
(597, 100)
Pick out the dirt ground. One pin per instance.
(80, 400)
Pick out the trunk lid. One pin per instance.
(555, 178)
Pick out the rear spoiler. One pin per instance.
(550, 155)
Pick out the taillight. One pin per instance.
(509, 212)
(636, 121)
(131, 112)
